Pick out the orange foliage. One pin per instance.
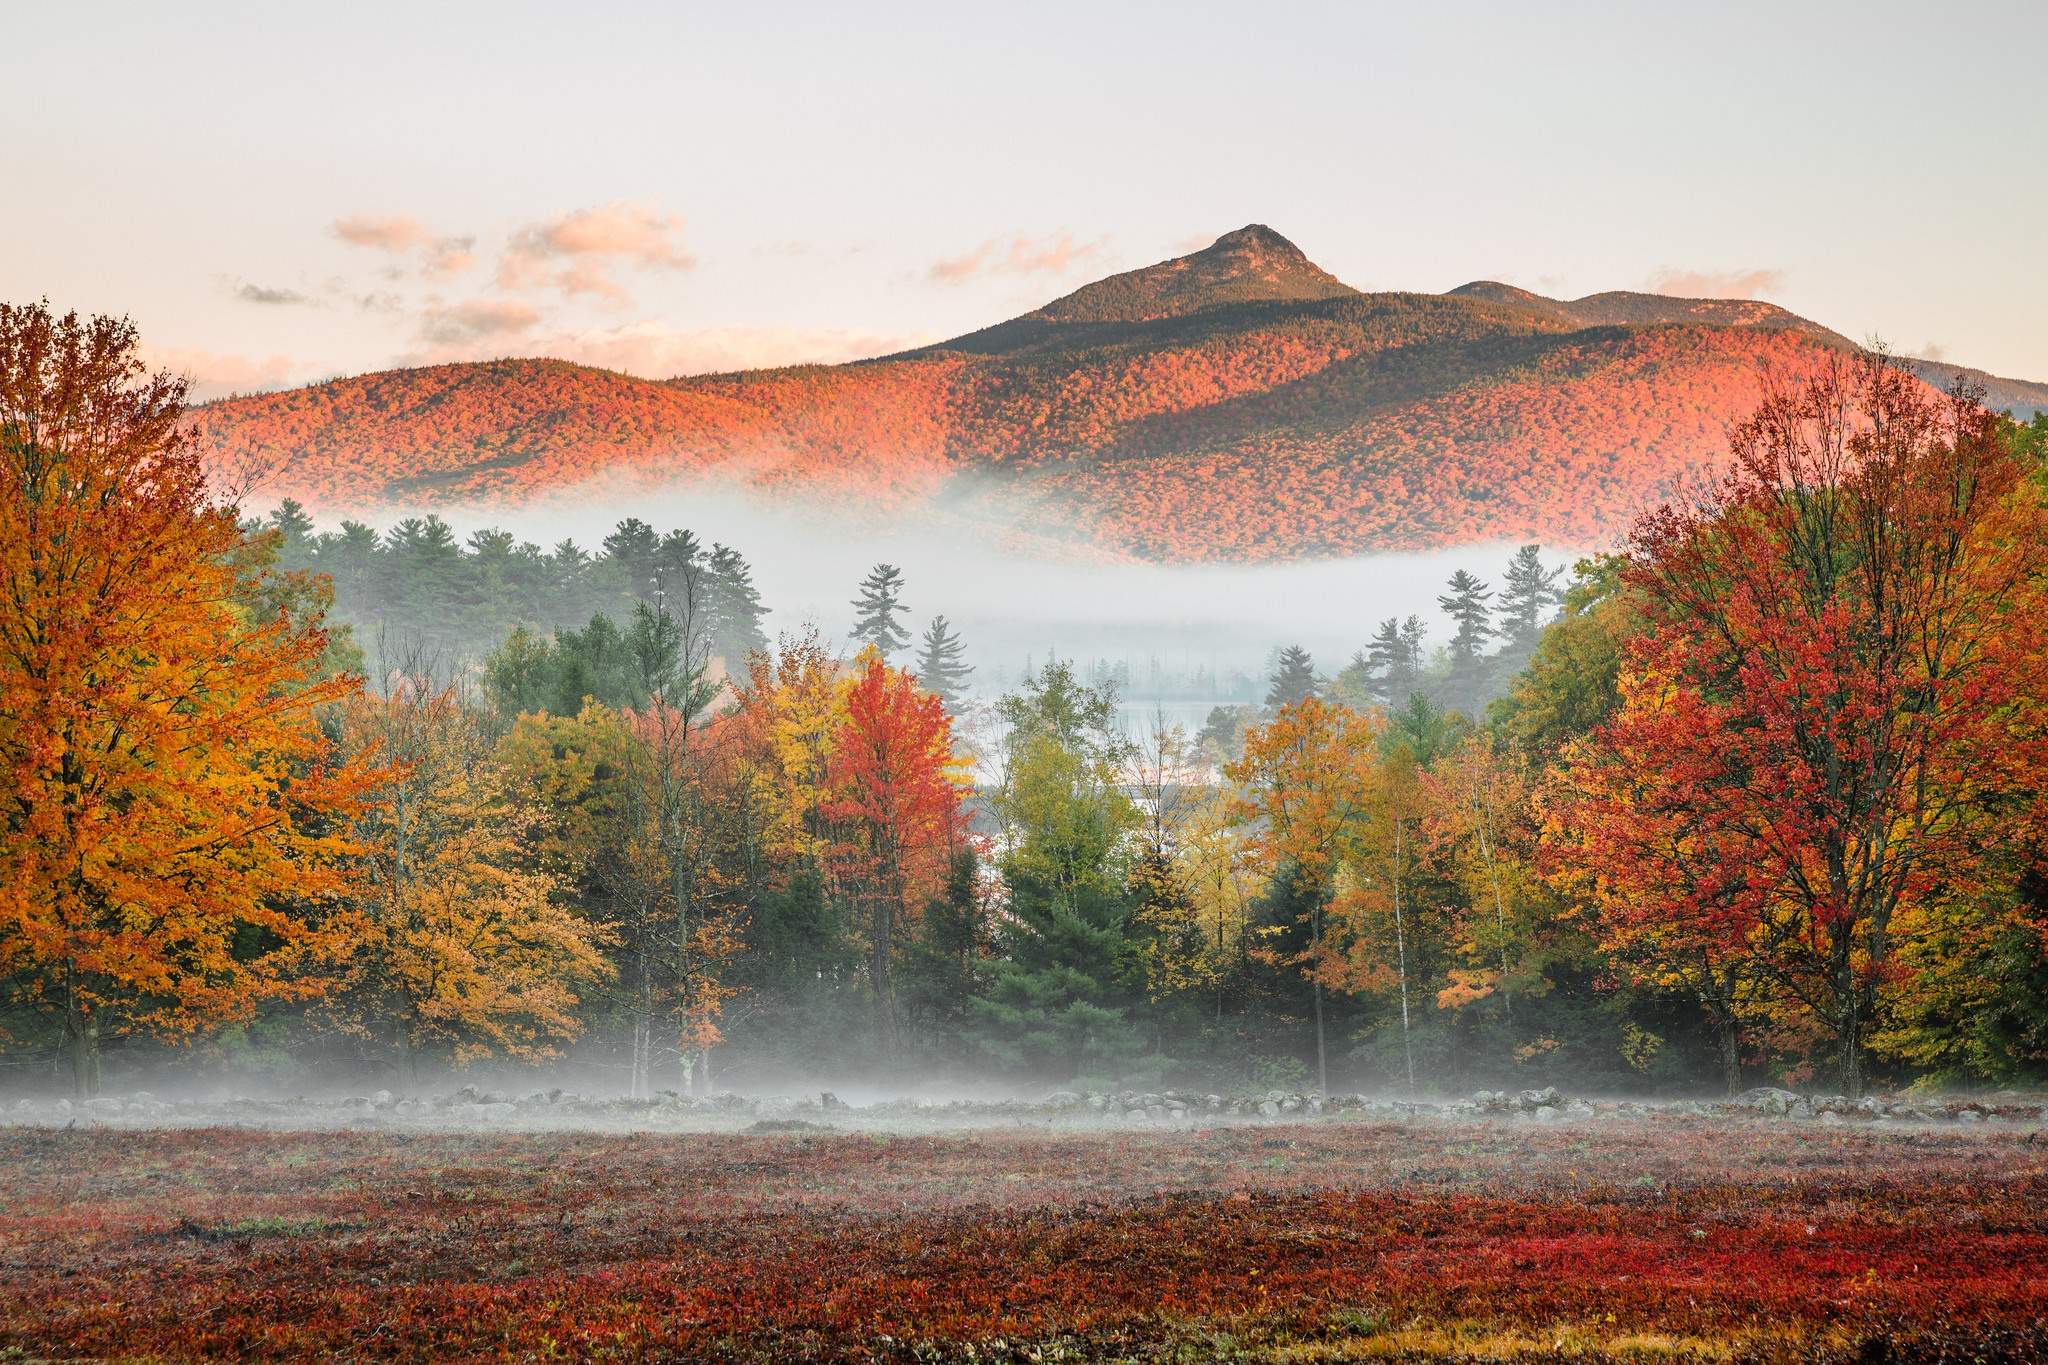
(162, 819)
(1331, 426)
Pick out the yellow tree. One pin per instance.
(457, 943)
(166, 822)
(1481, 815)
(1306, 788)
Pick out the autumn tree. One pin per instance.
(1838, 638)
(1306, 783)
(896, 790)
(457, 944)
(168, 823)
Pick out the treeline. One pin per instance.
(1764, 802)
(416, 587)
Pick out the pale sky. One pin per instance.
(281, 192)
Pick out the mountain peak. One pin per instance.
(1251, 265)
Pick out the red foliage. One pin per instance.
(1381, 422)
(1770, 1242)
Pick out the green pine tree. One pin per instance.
(942, 667)
(880, 604)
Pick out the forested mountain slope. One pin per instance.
(1238, 403)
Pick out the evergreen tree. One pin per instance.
(1294, 679)
(1467, 603)
(942, 668)
(1531, 590)
(1393, 661)
(634, 547)
(879, 604)
(735, 609)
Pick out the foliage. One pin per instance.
(1680, 1242)
(167, 823)
(1815, 746)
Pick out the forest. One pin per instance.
(1235, 405)
(1756, 798)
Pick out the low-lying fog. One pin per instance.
(1015, 608)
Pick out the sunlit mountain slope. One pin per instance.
(1238, 403)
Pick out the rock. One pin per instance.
(1537, 1099)
(1063, 1099)
(467, 1095)
(1290, 1105)
(1212, 1103)
(1269, 1109)
(1276, 1096)
(494, 1097)
(1155, 1112)
(828, 1100)
(381, 1100)
(1830, 1118)
(1579, 1109)
(1969, 1116)
(1313, 1108)
(1766, 1099)
(1097, 1103)
(1829, 1104)
(775, 1107)
(1548, 1113)
(1800, 1109)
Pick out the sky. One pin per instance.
(282, 193)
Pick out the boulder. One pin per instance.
(1579, 1109)
(1062, 1099)
(1766, 1099)
(1269, 1109)
(1547, 1113)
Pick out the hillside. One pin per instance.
(1238, 403)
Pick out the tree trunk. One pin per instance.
(1731, 1052)
(85, 1057)
(1850, 1040)
(1322, 1070)
(885, 999)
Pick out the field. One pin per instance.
(1623, 1240)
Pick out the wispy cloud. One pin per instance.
(404, 236)
(213, 375)
(1019, 255)
(654, 350)
(578, 252)
(471, 321)
(1710, 284)
(255, 293)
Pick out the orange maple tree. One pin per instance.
(167, 822)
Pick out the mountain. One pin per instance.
(1238, 403)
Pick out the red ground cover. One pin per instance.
(1344, 1240)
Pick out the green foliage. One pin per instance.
(1569, 685)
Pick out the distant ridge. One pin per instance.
(1625, 309)
(1237, 403)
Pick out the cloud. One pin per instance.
(1709, 284)
(213, 375)
(476, 320)
(654, 350)
(253, 293)
(577, 252)
(1933, 350)
(403, 235)
(1018, 255)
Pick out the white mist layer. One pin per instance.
(1014, 609)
